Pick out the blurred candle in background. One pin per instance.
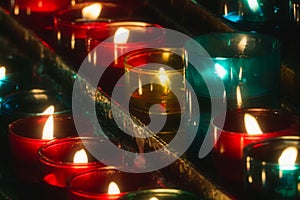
(73, 23)
(38, 11)
(113, 41)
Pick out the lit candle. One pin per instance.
(108, 183)
(80, 18)
(73, 23)
(63, 158)
(107, 46)
(158, 85)
(26, 135)
(272, 168)
(243, 127)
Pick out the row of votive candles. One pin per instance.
(247, 64)
(256, 146)
(46, 151)
(249, 148)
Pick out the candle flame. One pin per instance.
(48, 129)
(49, 110)
(242, 44)
(239, 99)
(153, 198)
(121, 35)
(225, 9)
(40, 4)
(80, 157)
(252, 126)
(92, 12)
(253, 5)
(2, 72)
(288, 158)
(16, 10)
(113, 188)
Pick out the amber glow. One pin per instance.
(288, 158)
(80, 157)
(92, 12)
(251, 124)
(242, 44)
(2, 72)
(239, 99)
(113, 188)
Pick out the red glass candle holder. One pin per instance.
(228, 149)
(104, 51)
(161, 194)
(25, 138)
(38, 11)
(94, 184)
(57, 159)
(71, 21)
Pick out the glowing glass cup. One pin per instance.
(272, 168)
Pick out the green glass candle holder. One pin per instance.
(272, 168)
(264, 11)
(248, 64)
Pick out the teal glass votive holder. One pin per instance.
(272, 168)
(264, 11)
(247, 63)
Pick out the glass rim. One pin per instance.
(154, 191)
(17, 94)
(59, 15)
(276, 43)
(294, 123)
(267, 141)
(132, 23)
(12, 125)
(57, 163)
(137, 53)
